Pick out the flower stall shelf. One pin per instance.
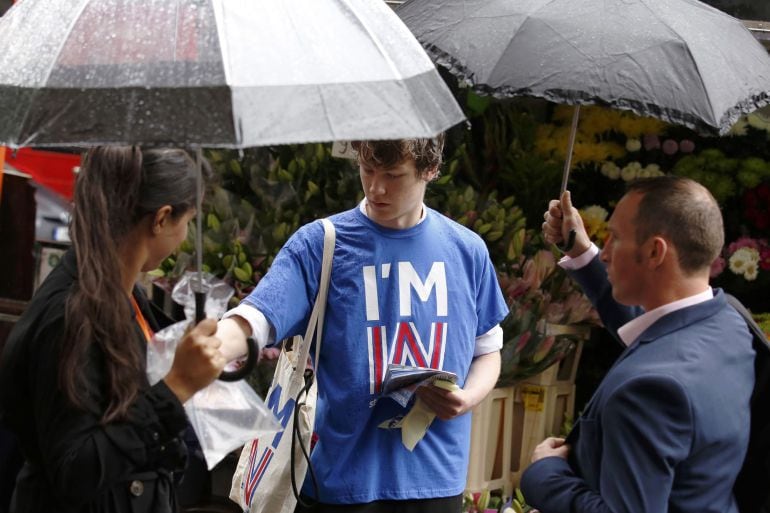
(540, 411)
(491, 443)
(545, 403)
(514, 418)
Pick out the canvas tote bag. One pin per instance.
(262, 481)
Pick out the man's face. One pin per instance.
(623, 256)
(394, 196)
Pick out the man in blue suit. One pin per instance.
(667, 429)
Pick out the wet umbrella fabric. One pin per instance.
(678, 60)
(214, 73)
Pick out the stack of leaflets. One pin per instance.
(401, 381)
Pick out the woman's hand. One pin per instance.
(197, 361)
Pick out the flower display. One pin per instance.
(746, 257)
(539, 293)
(486, 502)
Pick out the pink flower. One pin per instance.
(538, 267)
(717, 267)
(686, 146)
(651, 142)
(743, 242)
(670, 146)
(764, 258)
(523, 339)
(544, 349)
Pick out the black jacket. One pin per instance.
(73, 462)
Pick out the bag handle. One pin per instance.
(314, 328)
(316, 322)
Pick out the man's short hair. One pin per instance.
(683, 212)
(426, 153)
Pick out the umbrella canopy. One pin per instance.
(678, 60)
(214, 73)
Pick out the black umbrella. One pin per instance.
(678, 60)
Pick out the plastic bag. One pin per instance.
(223, 415)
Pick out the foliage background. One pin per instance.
(501, 168)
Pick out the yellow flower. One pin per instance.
(739, 128)
(595, 222)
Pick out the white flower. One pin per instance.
(751, 272)
(743, 259)
(594, 213)
(630, 171)
(653, 170)
(633, 145)
(610, 170)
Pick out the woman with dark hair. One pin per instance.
(73, 387)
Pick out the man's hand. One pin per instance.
(233, 331)
(560, 218)
(550, 447)
(445, 403)
(481, 378)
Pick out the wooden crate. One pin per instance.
(511, 421)
(539, 411)
(491, 427)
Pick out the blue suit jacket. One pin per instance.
(667, 429)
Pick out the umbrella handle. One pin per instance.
(248, 366)
(568, 245)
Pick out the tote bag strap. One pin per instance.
(316, 322)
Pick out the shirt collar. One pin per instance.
(633, 329)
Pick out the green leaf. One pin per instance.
(241, 275)
(493, 236)
(235, 167)
(476, 103)
(212, 221)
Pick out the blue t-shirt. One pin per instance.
(418, 296)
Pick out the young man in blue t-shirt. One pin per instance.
(408, 286)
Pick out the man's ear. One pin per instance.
(430, 174)
(657, 250)
(161, 218)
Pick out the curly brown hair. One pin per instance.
(426, 153)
